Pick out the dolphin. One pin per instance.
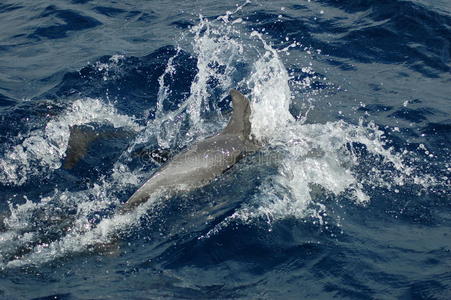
(193, 168)
(205, 160)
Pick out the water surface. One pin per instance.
(349, 198)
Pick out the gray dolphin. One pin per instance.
(193, 168)
(205, 160)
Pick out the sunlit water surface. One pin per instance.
(349, 196)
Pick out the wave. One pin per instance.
(389, 32)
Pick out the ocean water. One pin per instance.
(349, 197)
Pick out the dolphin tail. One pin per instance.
(239, 123)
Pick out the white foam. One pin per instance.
(83, 236)
(270, 93)
(217, 53)
(214, 47)
(43, 149)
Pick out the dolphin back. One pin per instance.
(239, 123)
(205, 160)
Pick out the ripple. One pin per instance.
(109, 11)
(6, 101)
(72, 21)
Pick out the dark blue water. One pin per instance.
(349, 197)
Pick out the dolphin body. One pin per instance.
(188, 170)
(205, 160)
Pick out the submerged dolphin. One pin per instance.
(205, 160)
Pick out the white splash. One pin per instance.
(214, 48)
(82, 236)
(43, 150)
(271, 95)
(217, 53)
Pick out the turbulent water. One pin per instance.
(349, 197)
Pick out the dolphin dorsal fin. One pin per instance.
(82, 136)
(239, 123)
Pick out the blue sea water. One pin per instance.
(349, 197)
